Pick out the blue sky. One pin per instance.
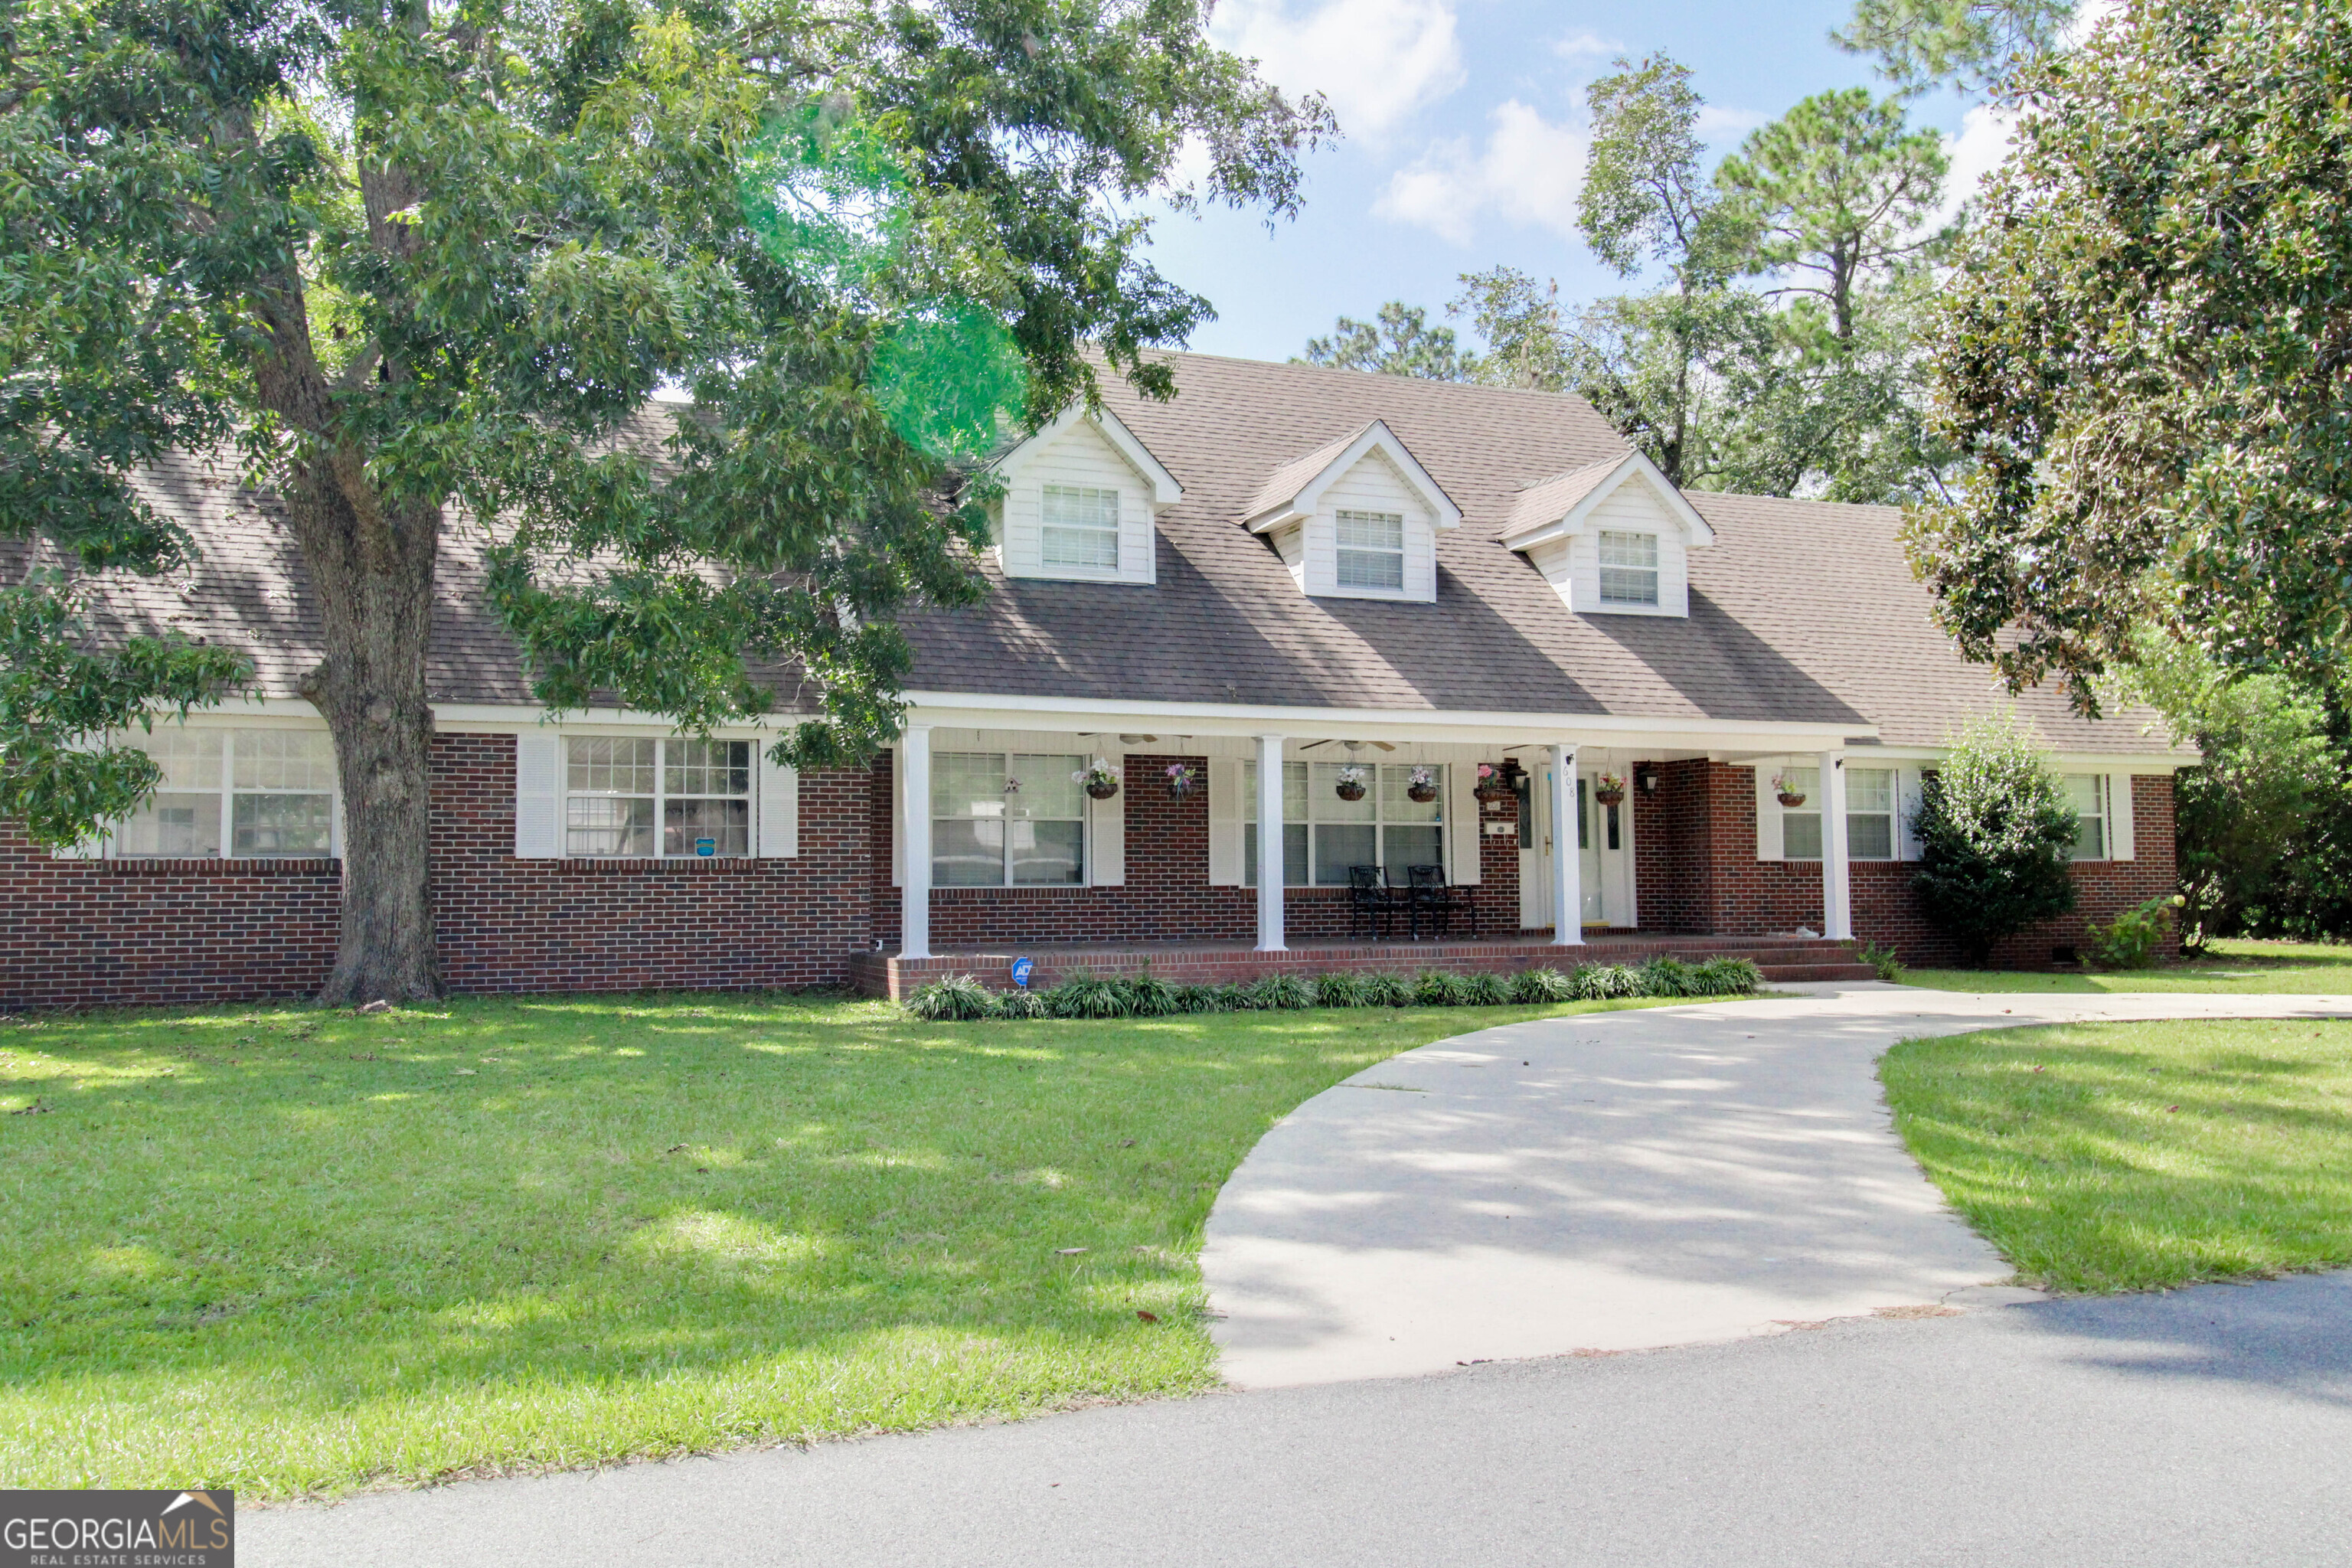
(1465, 130)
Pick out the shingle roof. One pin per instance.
(1803, 611)
(1548, 500)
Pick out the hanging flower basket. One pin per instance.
(1100, 779)
(1422, 786)
(1352, 783)
(1182, 779)
(1494, 783)
(1609, 790)
(1789, 797)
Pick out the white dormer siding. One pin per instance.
(1357, 519)
(1372, 490)
(1096, 472)
(1612, 540)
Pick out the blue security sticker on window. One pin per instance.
(1021, 968)
(706, 846)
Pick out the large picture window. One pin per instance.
(1080, 528)
(246, 793)
(648, 797)
(1003, 819)
(1372, 551)
(1322, 835)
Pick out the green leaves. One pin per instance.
(1996, 838)
(2143, 355)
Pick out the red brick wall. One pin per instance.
(1698, 872)
(93, 932)
(1167, 896)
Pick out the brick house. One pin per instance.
(1476, 604)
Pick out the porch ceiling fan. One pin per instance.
(1352, 745)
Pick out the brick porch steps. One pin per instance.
(1781, 957)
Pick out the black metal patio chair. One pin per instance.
(1430, 894)
(1371, 901)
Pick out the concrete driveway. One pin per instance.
(1611, 1182)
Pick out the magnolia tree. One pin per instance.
(1996, 838)
(417, 266)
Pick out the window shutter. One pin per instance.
(1768, 814)
(1225, 822)
(1107, 830)
(779, 806)
(1462, 823)
(1907, 808)
(539, 795)
(2120, 845)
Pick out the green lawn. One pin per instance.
(2132, 1156)
(2306, 968)
(295, 1251)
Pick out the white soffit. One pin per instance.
(1558, 506)
(1297, 487)
(1165, 491)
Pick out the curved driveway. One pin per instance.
(1612, 1180)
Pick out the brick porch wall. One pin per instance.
(1698, 872)
(1167, 896)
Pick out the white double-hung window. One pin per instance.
(1371, 550)
(1323, 836)
(1007, 819)
(250, 794)
(654, 797)
(1628, 567)
(2088, 794)
(1870, 807)
(1079, 528)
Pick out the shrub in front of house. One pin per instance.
(1084, 996)
(2134, 939)
(1996, 838)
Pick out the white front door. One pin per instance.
(1536, 851)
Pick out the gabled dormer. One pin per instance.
(1080, 500)
(1357, 519)
(1612, 538)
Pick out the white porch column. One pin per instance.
(1567, 859)
(1837, 903)
(1269, 845)
(915, 825)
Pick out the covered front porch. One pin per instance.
(999, 847)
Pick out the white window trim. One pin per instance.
(1448, 846)
(1086, 570)
(2103, 790)
(1341, 550)
(661, 796)
(109, 844)
(1602, 541)
(542, 783)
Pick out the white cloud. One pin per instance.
(1718, 123)
(1375, 60)
(1528, 173)
(1975, 152)
(1586, 47)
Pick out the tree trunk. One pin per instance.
(371, 567)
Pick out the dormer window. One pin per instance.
(1371, 550)
(1080, 529)
(1082, 502)
(1629, 568)
(1612, 538)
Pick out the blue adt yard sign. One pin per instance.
(1020, 970)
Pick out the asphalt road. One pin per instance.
(2207, 1426)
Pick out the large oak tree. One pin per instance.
(419, 265)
